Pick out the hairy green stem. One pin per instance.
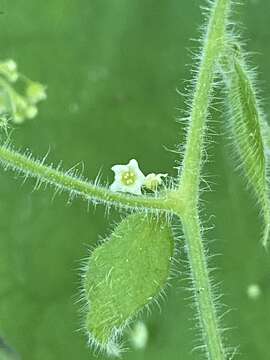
(213, 45)
(190, 180)
(212, 341)
(74, 185)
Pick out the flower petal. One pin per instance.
(135, 189)
(116, 186)
(119, 168)
(134, 166)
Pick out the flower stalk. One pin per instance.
(74, 185)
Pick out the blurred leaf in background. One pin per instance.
(111, 70)
(6, 353)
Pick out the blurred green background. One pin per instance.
(112, 69)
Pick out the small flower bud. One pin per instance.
(139, 335)
(31, 112)
(8, 68)
(254, 291)
(20, 108)
(152, 181)
(35, 92)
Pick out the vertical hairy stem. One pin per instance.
(212, 341)
(190, 180)
(213, 45)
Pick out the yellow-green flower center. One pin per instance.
(128, 178)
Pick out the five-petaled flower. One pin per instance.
(128, 178)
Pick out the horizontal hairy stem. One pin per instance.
(11, 159)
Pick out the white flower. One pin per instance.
(128, 178)
(152, 181)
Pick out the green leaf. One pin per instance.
(248, 128)
(124, 274)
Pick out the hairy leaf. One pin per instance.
(248, 128)
(125, 273)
